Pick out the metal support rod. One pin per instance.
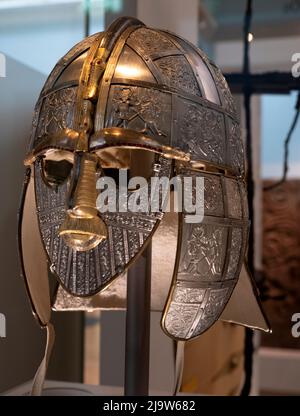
(247, 106)
(265, 83)
(248, 363)
(137, 345)
(87, 17)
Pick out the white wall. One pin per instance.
(181, 17)
(266, 54)
(21, 350)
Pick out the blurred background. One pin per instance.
(34, 35)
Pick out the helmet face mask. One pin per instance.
(84, 271)
(149, 103)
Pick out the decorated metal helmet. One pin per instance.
(148, 102)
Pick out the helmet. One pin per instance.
(149, 103)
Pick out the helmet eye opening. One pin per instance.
(136, 162)
(55, 173)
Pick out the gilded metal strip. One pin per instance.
(107, 77)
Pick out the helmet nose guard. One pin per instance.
(82, 228)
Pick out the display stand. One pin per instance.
(137, 344)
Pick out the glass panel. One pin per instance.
(280, 220)
(38, 33)
(277, 114)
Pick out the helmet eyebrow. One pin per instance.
(64, 141)
(127, 138)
